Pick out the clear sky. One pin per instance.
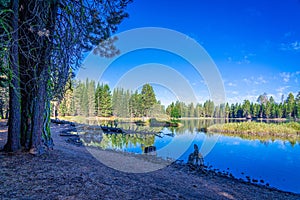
(254, 43)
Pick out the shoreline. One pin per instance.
(71, 172)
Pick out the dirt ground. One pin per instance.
(71, 172)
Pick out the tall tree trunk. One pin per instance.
(38, 117)
(46, 134)
(14, 122)
(26, 122)
(36, 92)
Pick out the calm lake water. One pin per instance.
(274, 161)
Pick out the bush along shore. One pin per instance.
(290, 131)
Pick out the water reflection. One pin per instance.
(274, 160)
(141, 136)
(119, 141)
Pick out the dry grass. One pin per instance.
(283, 129)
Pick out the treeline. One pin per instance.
(207, 109)
(89, 100)
(264, 108)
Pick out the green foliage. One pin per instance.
(174, 110)
(63, 108)
(227, 111)
(120, 102)
(135, 105)
(246, 108)
(103, 100)
(148, 99)
(91, 97)
(80, 99)
(290, 105)
(157, 110)
(86, 100)
(267, 111)
(209, 108)
(266, 108)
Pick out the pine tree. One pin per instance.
(62, 108)
(135, 105)
(126, 111)
(148, 99)
(97, 99)
(232, 111)
(104, 101)
(216, 112)
(246, 109)
(267, 110)
(227, 111)
(81, 99)
(176, 111)
(116, 105)
(91, 98)
(157, 110)
(222, 111)
(208, 108)
(191, 110)
(120, 102)
(273, 107)
(72, 106)
(257, 109)
(279, 111)
(262, 110)
(290, 105)
(66, 101)
(198, 110)
(84, 103)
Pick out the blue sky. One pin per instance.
(255, 44)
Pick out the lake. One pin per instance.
(275, 161)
